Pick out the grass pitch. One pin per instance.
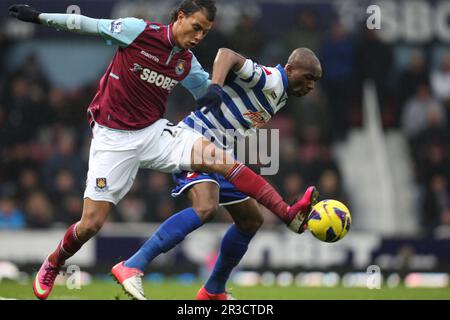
(171, 290)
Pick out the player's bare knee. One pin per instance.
(91, 222)
(258, 221)
(250, 225)
(88, 228)
(206, 211)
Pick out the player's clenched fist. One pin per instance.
(212, 98)
(24, 12)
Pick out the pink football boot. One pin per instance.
(45, 279)
(298, 213)
(130, 279)
(202, 294)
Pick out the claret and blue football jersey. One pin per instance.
(133, 92)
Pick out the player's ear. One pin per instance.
(181, 15)
(288, 68)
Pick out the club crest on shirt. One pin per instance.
(257, 119)
(179, 67)
(100, 184)
(136, 67)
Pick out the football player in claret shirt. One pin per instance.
(151, 59)
(129, 132)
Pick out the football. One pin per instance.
(329, 220)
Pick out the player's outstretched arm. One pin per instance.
(120, 32)
(226, 60)
(71, 22)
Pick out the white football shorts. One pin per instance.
(116, 155)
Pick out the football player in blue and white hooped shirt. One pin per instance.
(245, 102)
(251, 97)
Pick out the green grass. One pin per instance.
(104, 290)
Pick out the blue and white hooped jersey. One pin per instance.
(250, 99)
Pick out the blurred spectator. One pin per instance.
(293, 187)
(15, 160)
(325, 162)
(416, 74)
(65, 182)
(65, 157)
(310, 145)
(313, 110)
(58, 106)
(164, 209)
(28, 182)
(437, 201)
(305, 33)
(440, 80)
(31, 70)
(337, 59)
(445, 217)
(5, 129)
(436, 160)
(375, 59)
(289, 159)
(69, 208)
(67, 197)
(5, 43)
(247, 38)
(330, 186)
(417, 110)
(39, 210)
(28, 87)
(284, 123)
(68, 110)
(435, 134)
(11, 217)
(22, 112)
(132, 209)
(157, 195)
(375, 62)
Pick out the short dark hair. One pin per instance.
(191, 6)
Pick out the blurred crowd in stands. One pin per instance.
(45, 138)
(425, 119)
